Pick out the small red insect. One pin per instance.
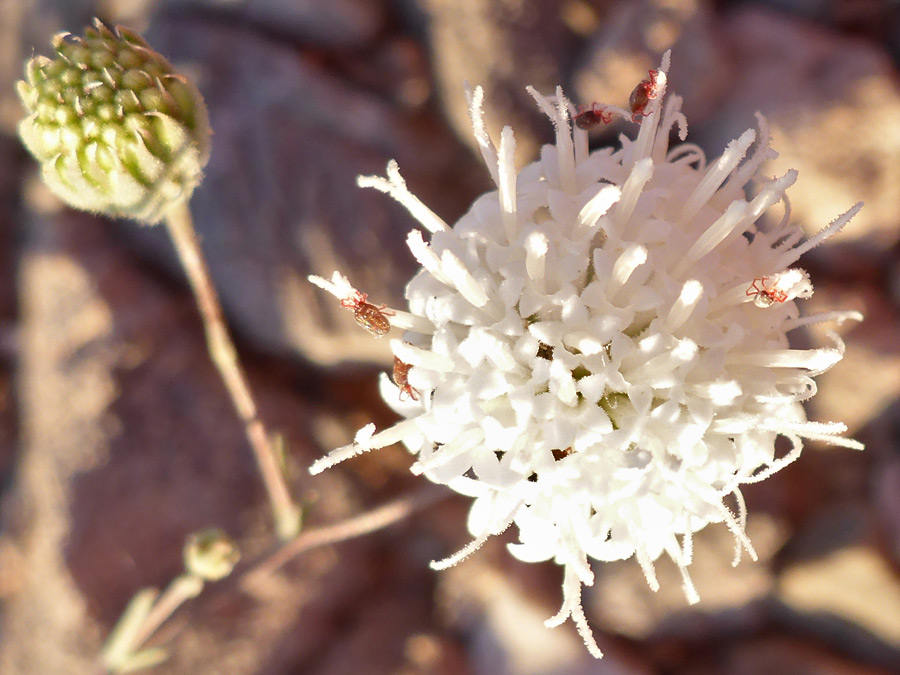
(373, 319)
(763, 295)
(588, 118)
(401, 372)
(643, 93)
(559, 455)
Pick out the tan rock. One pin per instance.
(630, 41)
(625, 604)
(853, 584)
(834, 106)
(503, 46)
(506, 622)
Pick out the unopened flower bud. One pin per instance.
(115, 129)
(210, 554)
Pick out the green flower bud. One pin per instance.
(210, 554)
(115, 129)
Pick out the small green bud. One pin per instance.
(210, 554)
(115, 129)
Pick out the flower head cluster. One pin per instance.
(115, 128)
(598, 350)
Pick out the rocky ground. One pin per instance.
(117, 439)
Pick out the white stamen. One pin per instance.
(823, 317)
(339, 286)
(825, 432)
(644, 561)
(545, 106)
(690, 295)
(630, 259)
(771, 193)
(682, 352)
(506, 170)
(364, 442)
(737, 530)
(476, 115)
(631, 192)
(720, 393)
(643, 144)
(597, 207)
(426, 257)
(672, 116)
(734, 216)
(742, 522)
(571, 606)
(735, 185)
(792, 255)
(462, 279)
(421, 358)
(536, 246)
(678, 558)
(564, 148)
(467, 440)
(338, 455)
(559, 115)
(818, 360)
(777, 465)
(407, 321)
(476, 543)
(716, 175)
(395, 186)
(688, 152)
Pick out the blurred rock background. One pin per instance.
(117, 440)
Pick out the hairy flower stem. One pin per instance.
(371, 521)
(224, 356)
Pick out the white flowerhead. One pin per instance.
(597, 352)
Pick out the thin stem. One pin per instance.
(181, 589)
(224, 356)
(373, 520)
(120, 645)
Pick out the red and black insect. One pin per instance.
(643, 93)
(764, 295)
(373, 319)
(589, 118)
(401, 373)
